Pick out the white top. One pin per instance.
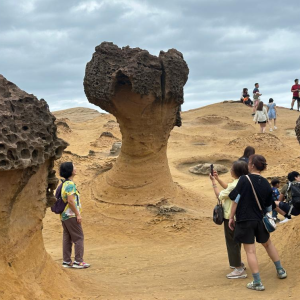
(261, 115)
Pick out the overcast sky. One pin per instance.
(228, 44)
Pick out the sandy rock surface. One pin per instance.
(28, 147)
(171, 249)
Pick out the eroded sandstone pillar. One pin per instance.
(144, 93)
(28, 148)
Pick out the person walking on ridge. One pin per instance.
(295, 90)
(256, 97)
(261, 117)
(272, 113)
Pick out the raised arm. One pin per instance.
(220, 181)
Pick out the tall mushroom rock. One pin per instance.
(28, 148)
(144, 93)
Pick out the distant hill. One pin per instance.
(77, 114)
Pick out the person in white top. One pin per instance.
(256, 97)
(261, 117)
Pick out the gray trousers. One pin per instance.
(233, 248)
(72, 233)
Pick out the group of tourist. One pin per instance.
(263, 115)
(243, 218)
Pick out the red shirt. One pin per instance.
(295, 87)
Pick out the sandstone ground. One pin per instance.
(159, 251)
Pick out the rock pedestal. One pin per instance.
(28, 148)
(144, 93)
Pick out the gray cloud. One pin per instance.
(228, 44)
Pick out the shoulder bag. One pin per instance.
(218, 213)
(268, 220)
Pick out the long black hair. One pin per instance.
(248, 151)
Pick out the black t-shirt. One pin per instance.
(247, 208)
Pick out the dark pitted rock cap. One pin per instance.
(111, 66)
(27, 130)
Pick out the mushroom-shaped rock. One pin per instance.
(144, 93)
(28, 148)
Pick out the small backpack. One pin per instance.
(295, 192)
(59, 206)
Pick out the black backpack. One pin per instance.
(59, 206)
(295, 193)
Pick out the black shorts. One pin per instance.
(286, 208)
(248, 102)
(296, 98)
(261, 122)
(246, 231)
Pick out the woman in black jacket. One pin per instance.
(248, 224)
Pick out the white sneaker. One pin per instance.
(235, 274)
(271, 129)
(275, 127)
(80, 265)
(284, 221)
(242, 265)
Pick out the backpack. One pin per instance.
(295, 192)
(286, 194)
(59, 206)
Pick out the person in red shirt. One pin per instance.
(295, 90)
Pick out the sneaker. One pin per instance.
(243, 265)
(271, 129)
(235, 274)
(281, 273)
(258, 286)
(284, 221)
(80, 265)
(67, 264)
(275, 127)
(291, 108)
(253, 114)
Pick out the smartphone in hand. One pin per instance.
(212, 170)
